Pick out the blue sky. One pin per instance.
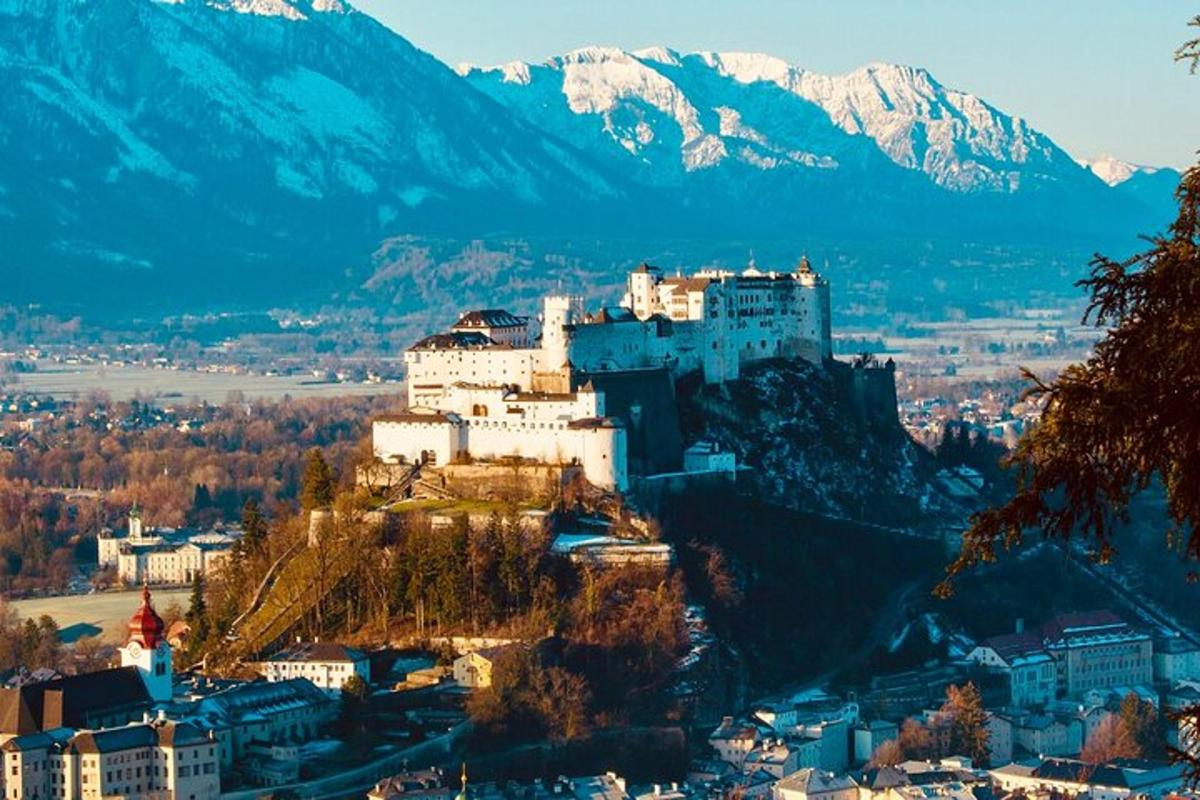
(1097, 76)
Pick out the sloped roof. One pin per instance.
(16, 713)
(318, 651)
(455, 340)
(489, 318)
(72, 701)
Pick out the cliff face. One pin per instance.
(814, 443)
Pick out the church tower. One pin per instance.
(135, 523)
(147, 650)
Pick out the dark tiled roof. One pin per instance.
(72, 702)
(489, 318)
(434, 417)
(1013, 645)
(16, 713)
(112, 740)
(318, 651)
(455, 340)
(609, 315)
(1068, 627)
(180, 734)
(689, 284)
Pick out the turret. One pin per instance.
(559, 312)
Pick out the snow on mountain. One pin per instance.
(264, 128)
(703, 109)
(1114, 171)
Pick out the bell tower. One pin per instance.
(135, 523)
(148, 651)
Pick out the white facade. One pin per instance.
(148, 761)
(328, 666)
(493, 423)
(486, 390)
(163, 556)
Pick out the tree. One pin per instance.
(914, 740)
(1125, 419)
(353, 700)
(1107, 741)
(197, 615)
(887, 754)
(318, 486)
(968, 722)
(254, 527)
(1139, 723)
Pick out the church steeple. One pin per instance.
(148, 651)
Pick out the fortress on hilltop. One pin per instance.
(578, 391)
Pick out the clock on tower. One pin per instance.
(148, 651)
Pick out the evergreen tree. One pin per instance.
(318, 485)
(197, 615)
(254, 527)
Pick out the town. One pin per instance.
(563, 430)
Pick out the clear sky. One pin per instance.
(1096, 75)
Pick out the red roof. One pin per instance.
(146, 626)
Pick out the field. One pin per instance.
(103, 614)
(125, 382)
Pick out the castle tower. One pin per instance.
(558, 312)
(147, 650)
(135, 522)
(643, 290)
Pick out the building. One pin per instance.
(159, 759)
(473, 670)
(147, 650)
(241, 715)
(733, 741)
(1098, 650)
(488, 390)
(327, 664)
(1088, 651)
(869, 735)
(1117, 780)
(815, 784)
(101, 699)
(163, 556)
(1176, 658)
(776, 757)
(1027, 666)
(952, 778)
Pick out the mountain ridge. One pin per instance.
(276, 144)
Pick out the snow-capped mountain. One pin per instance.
(671, 113)
(140, 134)
(183, 151)
(1114, 171)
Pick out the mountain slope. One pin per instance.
(269, 132)
(701, 110)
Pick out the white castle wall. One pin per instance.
(430, 372)
(713, 322)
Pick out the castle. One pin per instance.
(491, 387)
